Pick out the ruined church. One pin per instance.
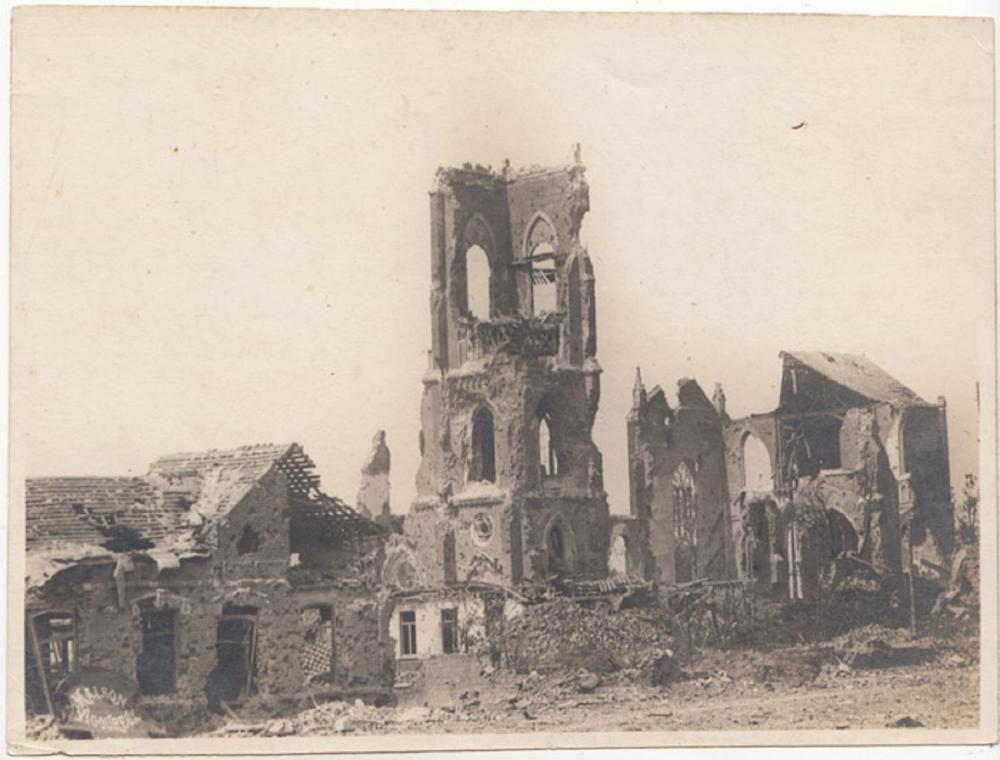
(230, 575)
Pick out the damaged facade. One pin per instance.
(216, 578)
(510, 486)
(852, 466)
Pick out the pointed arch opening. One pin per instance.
(543, 281)
(540, 245)
(685, 523)
(618, 555)
(477, 283)
(482, 466)
(548, 454)
(756, 465)
(559, 547)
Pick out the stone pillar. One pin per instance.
(373, 496)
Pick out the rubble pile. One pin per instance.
(960, 600)
(566, 636)
(340, 717)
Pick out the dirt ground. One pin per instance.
(872, 678)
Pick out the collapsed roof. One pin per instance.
(169, 514)
(857, 373)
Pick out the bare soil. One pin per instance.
(873, 677)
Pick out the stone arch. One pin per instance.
(618, 552)
(472, 282)
(560, 546)
(843, 535)
(478, 231)
(757, 466)
(540, 239)
(539, 230)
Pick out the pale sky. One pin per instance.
(221, 228)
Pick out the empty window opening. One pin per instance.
(249, 541)
(685, 524)
(543, 280)
(483, 464)
(155, 666)
(232, 679)
(477, 282)
(407, 633)
(557, 550)
(756, 465)
(757, 550)
(618, 556)
(449, 630)
(548, 457)
(318, 653)
(50, 656)
(843, 536)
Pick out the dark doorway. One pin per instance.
(557, 550)
(232, 680)
(449, 630)
(155, 665)
(50, 656)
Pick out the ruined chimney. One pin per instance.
(719, 400)
(373, 496)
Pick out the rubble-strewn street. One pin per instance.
(923, 683)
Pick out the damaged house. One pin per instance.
(510, 487)
(218, 576)
(852, 466)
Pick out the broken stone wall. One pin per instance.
(673, 450)
(253, 536)
(109, 636)
(925, 455)
(522, 503)
(739, 435)
(468, 539)
(630, 538)
(373, 494)
(253, 582)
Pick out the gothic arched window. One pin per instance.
(482, 466)
(477, 283)
(548, 457)
(685, 523)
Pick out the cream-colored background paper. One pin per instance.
(220, 230)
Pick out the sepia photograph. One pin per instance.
(388, 380)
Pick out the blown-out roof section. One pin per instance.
(857, 373)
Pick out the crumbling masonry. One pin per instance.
(219, 577)
(851, 470)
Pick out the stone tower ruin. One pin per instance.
(510, 484)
